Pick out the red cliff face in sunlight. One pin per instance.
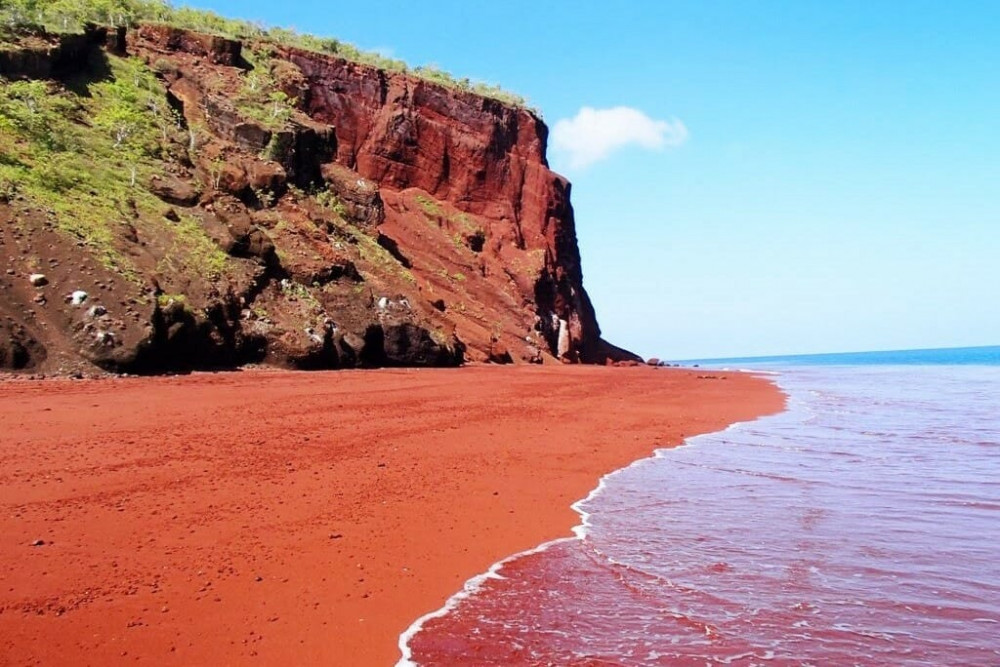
(367, 218)
(483, 157)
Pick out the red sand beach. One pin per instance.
(293, 518)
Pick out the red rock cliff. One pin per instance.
(480, 155)
(365, 218)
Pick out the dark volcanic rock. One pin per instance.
(248, 239)
(499, 354)
(218, 50)
(59, 56)
(174, 191)
(404, 344)
(18, 348)
(359, 196)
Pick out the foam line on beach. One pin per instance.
(470, 588)
(473, 585)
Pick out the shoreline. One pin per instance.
(472, 585)
(305, 517)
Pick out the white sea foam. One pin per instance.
(473, 585)
(470, 588)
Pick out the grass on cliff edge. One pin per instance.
(71, 15)
(85, 158)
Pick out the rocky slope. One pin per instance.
(171, 200)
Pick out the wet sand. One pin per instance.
(292, 518)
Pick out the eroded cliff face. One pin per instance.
(482, 157)
(367, 218)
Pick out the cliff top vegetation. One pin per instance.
(63, 16)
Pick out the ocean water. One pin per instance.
(954, 356)
(860, 527)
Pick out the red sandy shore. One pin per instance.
(293, 518)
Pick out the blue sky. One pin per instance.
(785, 177)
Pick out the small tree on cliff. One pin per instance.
(280, 109)
(20, 12)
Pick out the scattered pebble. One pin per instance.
(38, 279)
(78, 297)
(38, 543)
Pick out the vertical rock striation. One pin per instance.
(479, 154)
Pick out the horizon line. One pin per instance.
(766, 357)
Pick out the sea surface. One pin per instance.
(860, 527)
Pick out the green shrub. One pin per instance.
(329, 199)
(429, 206)
(8, 184)
(164, 300)
(80, 157)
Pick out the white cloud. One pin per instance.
(593, 134)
